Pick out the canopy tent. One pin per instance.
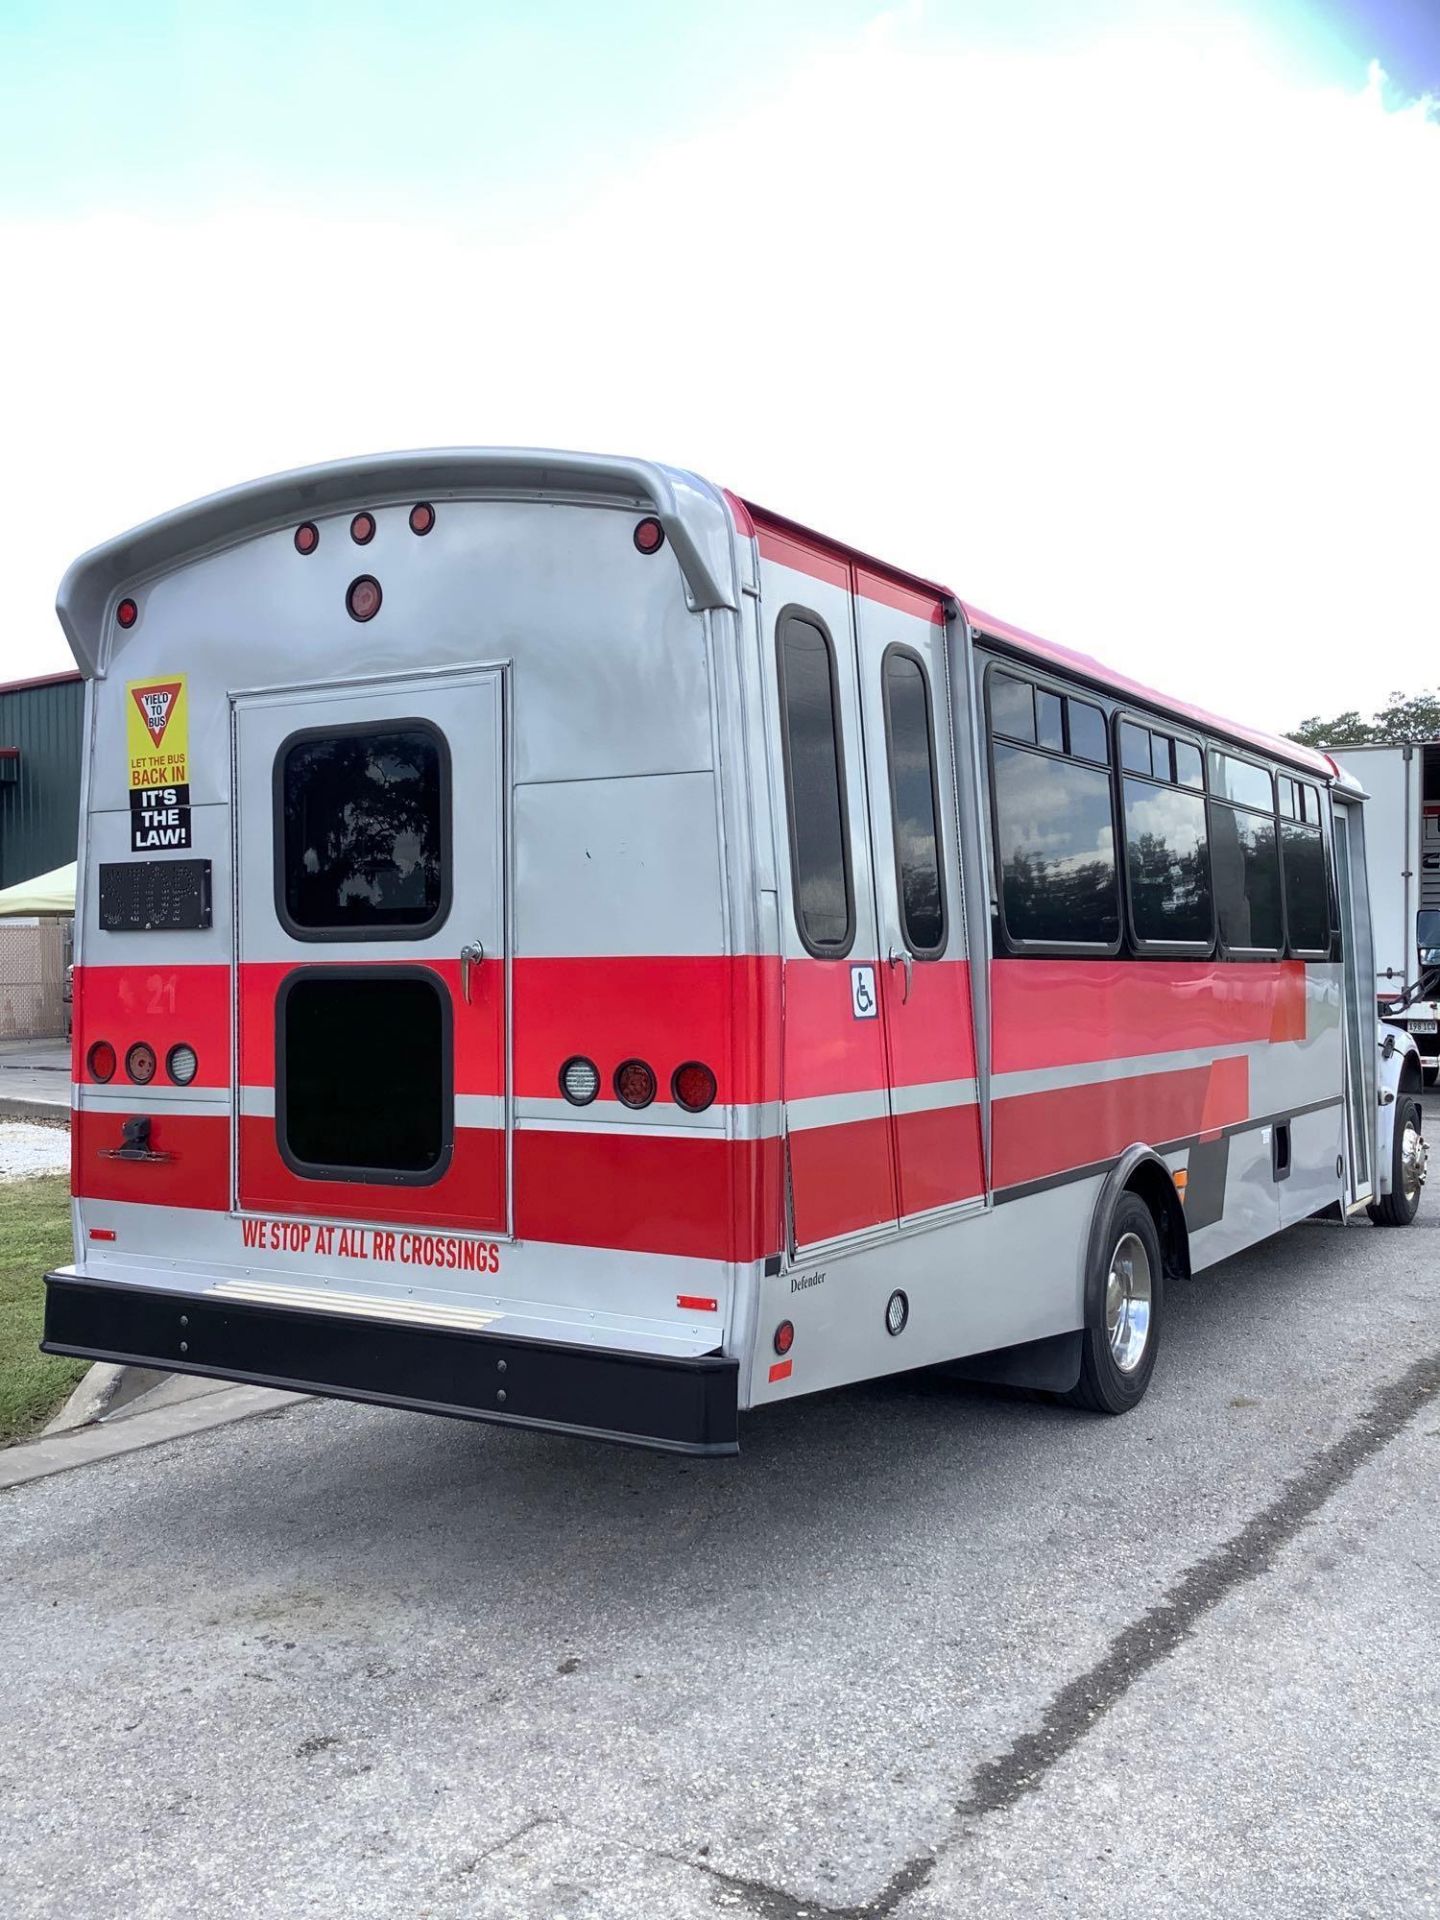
(47, 893)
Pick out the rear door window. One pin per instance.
(819, 847)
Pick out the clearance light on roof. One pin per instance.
(307, 537)
(649, 535)
(362, 601)
(127, 613)
(362, 529)
(422, 517)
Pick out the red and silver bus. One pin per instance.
(561, 944)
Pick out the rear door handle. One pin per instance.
(470, 956)
(901, 956)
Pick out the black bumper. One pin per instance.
(648, 1400)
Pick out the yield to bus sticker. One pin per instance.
(156, 722)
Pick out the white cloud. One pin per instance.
(1134, 345)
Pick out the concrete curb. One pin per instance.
(83, 1446)
(15, 1107)
(107, 1389)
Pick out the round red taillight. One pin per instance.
(422, 517)
(692, 1086)
(307, 537)
(362, 602)
(784, 1336)
(127, 613)
(140, 1063)
(634, 1083)
(362, 529)
(101, 1060)
(649, 535)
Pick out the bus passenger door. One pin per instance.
(924, 972)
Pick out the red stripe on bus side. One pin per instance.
(197, 1173)
(1053, 1013)
(841, 1179)
(468, 1194)
(159, 1005)
(709, 1199)
(940, 1157)
(1039, 1134)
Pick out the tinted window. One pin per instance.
(1189, 768)
(1056, 848)
(1089, 736)
(1245, 862)
(816, 788)
(1012, 706)
(364, 819)
(1167, 864)
(341, 1038)
(1309, 803)
(1134, 748)
(912, 800)
(1307, 894)
(1049, 720)
(1240, 781)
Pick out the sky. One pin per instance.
(1120, 318)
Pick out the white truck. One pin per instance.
(1403, 831)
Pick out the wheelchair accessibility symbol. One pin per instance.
(862, 993)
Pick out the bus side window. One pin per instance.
(1245, 856)
(914, 803)
(1167, 854)
(815, 786)
(1054, 832)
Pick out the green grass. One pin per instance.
(34, 1235)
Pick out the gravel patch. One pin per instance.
(27, 1149)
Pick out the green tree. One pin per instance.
(1409, 719)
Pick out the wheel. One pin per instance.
(1407, 1168)
(1124, 1306)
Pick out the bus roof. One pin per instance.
(800, 542)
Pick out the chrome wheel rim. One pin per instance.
(1414, 1155)
(1129, 1291)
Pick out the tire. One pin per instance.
(1400, 1206)
(1119, 1345)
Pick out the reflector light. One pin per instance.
(634, 1083)
(181, 1064)
(579, 1080)
(692, 1086)
(127, 613)
(362, 529)
(102, 1233)
(307, 537)
(696, 1303)
(784, 1336)
(649, 536)
(897, 1312)
(140, 1063)
(422, 517)
(101, 1060)
(362, 602)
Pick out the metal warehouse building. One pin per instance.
(41, 723)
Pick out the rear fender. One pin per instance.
(1397, 1072)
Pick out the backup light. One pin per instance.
(579, 1080)
(140, 1063)
(101, 1060)
(897, 1312)
(634, 1083)
(182, 1063)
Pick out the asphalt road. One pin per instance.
(923, 1650)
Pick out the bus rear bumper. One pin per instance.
(681, 1404)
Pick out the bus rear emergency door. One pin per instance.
(370, 973)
